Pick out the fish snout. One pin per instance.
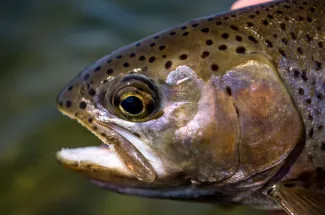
(70, 100)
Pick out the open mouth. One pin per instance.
(93, 157)
(123, 156)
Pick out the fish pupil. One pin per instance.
(132, 105)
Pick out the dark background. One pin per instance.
(43, 45)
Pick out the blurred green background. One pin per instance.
(44, 44)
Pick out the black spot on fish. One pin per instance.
(308, 38)
(68, 104)
(205, 30)
(319, 96)
(83, 105)
(97, 68)
(209, 42)
(168, 64)
(304, 76)
(252, 16)
(281, 51)
(241, 50)
(296, 73)
(253, 39)
(86, 77)
(70, 88)
(283, 26)
(269, 43)
(239, 38)
(250, 24)
(183, 56)
(109, 71)
(300, 18)
(284, 41)
(228, 91)
(318, 65)
(265, 22)
(301, 91)
(225, 35)
(162, 47)
(205, 54)
(222, 47)
(235, 28)
(152, 59)
(214, 67)
(92, 92)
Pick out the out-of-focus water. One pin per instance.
(43, 45)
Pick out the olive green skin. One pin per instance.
(276, 49)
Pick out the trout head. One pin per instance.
(174, 114)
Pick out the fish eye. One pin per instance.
(134, 98)
(132, 105)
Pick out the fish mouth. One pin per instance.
(123, 158)
(93, 158)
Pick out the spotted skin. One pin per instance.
(295, 42)
(290, 33)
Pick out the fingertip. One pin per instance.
(245, 3)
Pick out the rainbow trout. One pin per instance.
(228, 108)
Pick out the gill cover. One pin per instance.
(246, 123)
(270, 125)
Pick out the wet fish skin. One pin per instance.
(284, 39)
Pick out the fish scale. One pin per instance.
(264, 63)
